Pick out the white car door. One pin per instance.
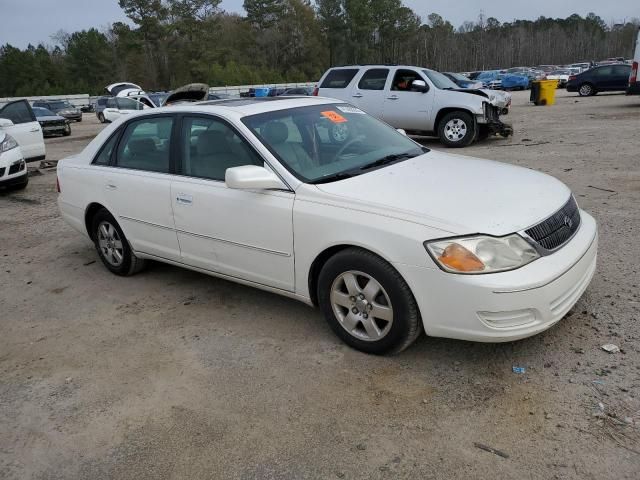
(138, 186)
(406, 108)
(369, 92)
(25, 129)
(245, 234)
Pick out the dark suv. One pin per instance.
(61, 107)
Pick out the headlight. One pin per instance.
(8, 143)
(481, 254)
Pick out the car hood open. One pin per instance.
(192, 92)
(462, 195)
(121, 89)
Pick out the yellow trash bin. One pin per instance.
(543, 92)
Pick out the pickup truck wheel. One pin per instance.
(367, 303)
(457, 129)
(586, 90)
(112, 246)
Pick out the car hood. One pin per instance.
(116, 88)
(456, 194)
(497, 99)
(192, 92)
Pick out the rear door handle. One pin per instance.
(393, 97)
(357, 95)
(184, 199)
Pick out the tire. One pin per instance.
(357, 268)
(101, 118)
(483, 132)
(586, 90)
(339, 133)
(67, 130)
(79, 120)
(457, 129)
(108, 239)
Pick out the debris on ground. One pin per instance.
(489, 449)
(611, 348)
(518, 369)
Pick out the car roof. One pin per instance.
(252, 106)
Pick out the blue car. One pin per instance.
(487, 77)
(462, 81)
(512, 81)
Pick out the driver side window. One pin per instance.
(210, 147)
(403, 79)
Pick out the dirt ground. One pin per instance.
(172, 374)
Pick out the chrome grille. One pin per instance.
(556, 230)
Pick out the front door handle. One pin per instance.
(393, 97)
(357, 95)
(111, 186)
(184, 199)
(34, 130)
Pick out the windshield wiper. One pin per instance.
(333, 178)
(387, 160)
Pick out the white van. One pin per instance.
(418, 100)
(634, 81)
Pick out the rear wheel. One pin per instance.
(112, 246)
(367, 303)
(586, 90)
(457, 129)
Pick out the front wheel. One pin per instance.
(112, 246)
(101, 118)
(367, 303)
(67, 130)
(457, 129)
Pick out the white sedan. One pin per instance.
(385, 236)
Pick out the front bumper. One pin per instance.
(13, 169)
(506, 306)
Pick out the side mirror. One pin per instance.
(402, 131)
(252, 177)
(419, 86)
(5, 122)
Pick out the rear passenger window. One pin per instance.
(104, 156)
(374, 79)
(339, 78)
(145, 145)
(210, 146)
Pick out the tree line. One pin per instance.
(174, 42)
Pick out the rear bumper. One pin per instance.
(506, 306)
(633, 89)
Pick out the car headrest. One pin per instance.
(275, 132)
(140, 146)
(211, 142)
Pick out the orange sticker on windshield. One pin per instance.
(335, 117)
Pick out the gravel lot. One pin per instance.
(172, 374)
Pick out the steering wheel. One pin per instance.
(347, 144)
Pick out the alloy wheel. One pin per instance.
(455, 129)
(361, 305)
(110, 244)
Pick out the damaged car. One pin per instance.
(418, 100)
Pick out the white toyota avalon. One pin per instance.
(314, 199)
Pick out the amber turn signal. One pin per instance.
(456, 257)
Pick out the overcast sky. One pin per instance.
(34, 21)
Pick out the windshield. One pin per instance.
(439, 80)
(43, 112)
(325, 143)
(59, 105)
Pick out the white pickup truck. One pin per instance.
(417, 100)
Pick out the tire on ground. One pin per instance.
(406, 324)
(131, 264)
(457, 129)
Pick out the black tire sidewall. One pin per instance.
(402, 301)
(101, 117)
(125, 266)
(471, 129)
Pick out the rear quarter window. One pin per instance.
(339, 78)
